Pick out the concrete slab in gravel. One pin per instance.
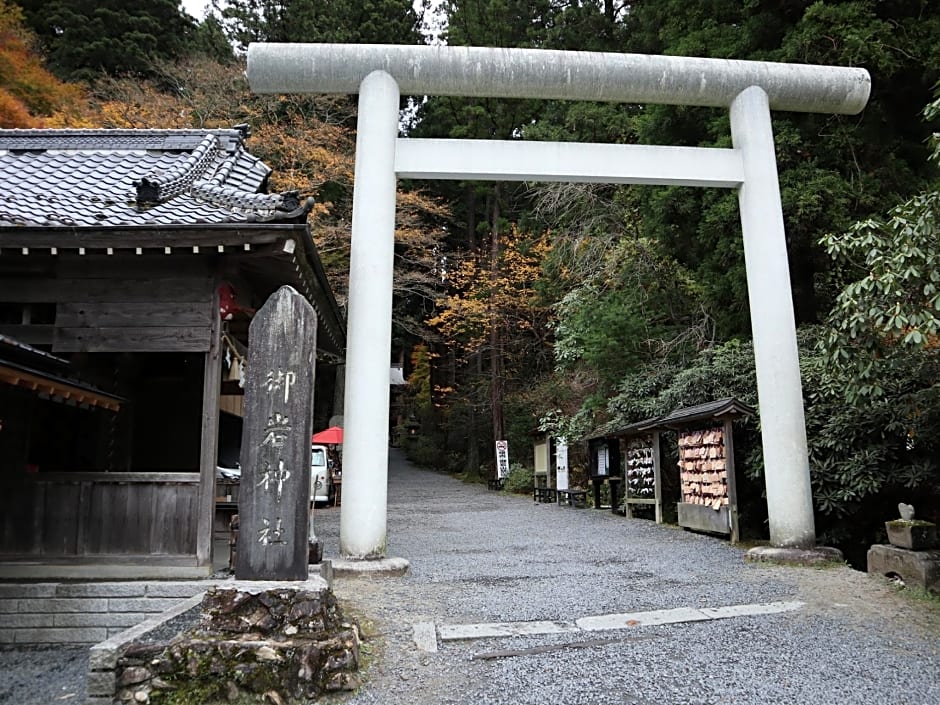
(454, 632)
(607, 622)
(641, 619)
(425, 636)
(347, 568)
(748, 610)
(794, 556)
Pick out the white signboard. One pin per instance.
(502, 459)
(561, 464)
(602, 461)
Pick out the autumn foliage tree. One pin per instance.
(494, 300)
(27, 90)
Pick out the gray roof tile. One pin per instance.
(95, 178)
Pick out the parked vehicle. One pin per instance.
(321, 485)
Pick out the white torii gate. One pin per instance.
(750, 89)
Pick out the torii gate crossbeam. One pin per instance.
(379, 73)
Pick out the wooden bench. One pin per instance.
(544, 495)
(573, 498)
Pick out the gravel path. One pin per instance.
(481, 556)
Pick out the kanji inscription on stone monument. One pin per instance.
(275, 456)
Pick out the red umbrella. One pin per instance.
(331, 436)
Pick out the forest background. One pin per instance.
(526, 309)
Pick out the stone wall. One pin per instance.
(283, 643)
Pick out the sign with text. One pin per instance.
(274, 501)
(502, 459)
(561, 464)
(603, 460)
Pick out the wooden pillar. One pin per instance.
(657, 477)
(208, 455)
(728, 431)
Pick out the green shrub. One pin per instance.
(423, 451)
(519, 479)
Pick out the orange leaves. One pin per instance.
(308, 154)
(482, 297)
(13, 113)
(27, 89)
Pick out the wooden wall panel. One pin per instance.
(104, 290)
(132, 315)
(173, 530)
(60, 519)
(22, 506)
(123, 267)
(89, 518)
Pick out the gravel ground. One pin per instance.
(481, 556)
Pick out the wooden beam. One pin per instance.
(103, 289)
(31, 334)
(57, 388)
(112, 339)
(146, 238)
(154, 478)
(208, 457)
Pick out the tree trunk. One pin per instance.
(471, 218)
(473, 438)
(496, 338)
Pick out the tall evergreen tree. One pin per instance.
(833, 169)
(85, 38)
(209, 40)
(346, 21)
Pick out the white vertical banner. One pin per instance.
(502, 459)
(603, 461)
(561, 464)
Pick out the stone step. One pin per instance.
(47, 613)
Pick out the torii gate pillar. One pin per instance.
(749, 89)
(369, 325)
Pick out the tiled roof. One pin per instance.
(101, 178)
(730, 407)
(718, 410)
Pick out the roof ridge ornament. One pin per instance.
(279, 206)
(161, 186)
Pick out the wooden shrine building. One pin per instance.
(131, 263)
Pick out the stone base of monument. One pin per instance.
(818, 555)
(351, 567)
(916, 568)
(278, 642)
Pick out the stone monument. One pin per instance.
(274, 502)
